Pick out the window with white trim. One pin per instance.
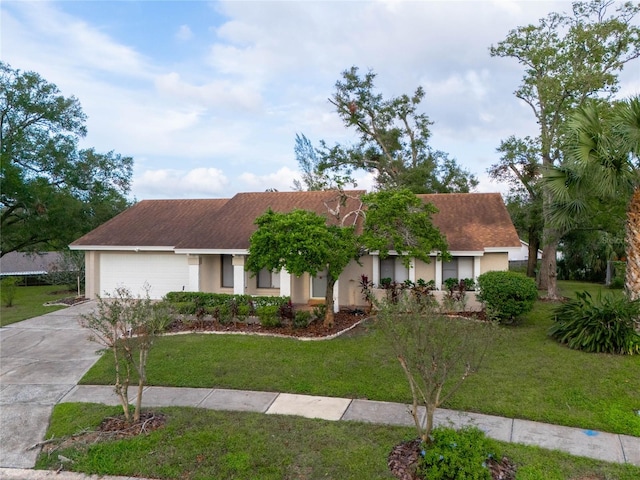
(393, 268)
(265, 279)
(226, 271)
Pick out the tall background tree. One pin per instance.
(520, 170)
(51, 192)
(313, 178)
(392, 141)
(568, 58)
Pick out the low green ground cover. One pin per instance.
(202, 444)
(527, 375)
(29, 303)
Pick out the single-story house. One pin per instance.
(522, 254)
(201, 245)
(21, 264)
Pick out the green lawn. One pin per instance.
(526, 376)
(202, 444)
(28, 303)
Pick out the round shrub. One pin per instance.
(605, 324)
(268, 316)
(462, 453)
(506, 295)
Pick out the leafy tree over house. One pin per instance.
(306, 242)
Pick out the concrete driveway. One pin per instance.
(41, 359)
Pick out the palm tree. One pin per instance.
(605, 152)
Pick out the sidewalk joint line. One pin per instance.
(211, 390)
(345, 410)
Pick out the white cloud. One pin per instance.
(53, 39)
(167, 183)
(214, 94)
(282, 180)
(184, 33)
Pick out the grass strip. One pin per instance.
(29, 303)
(204, 444)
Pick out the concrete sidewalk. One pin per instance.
(41, 360)
(587, 443)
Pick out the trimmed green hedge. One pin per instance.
(190, 302)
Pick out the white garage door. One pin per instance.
(164, 272)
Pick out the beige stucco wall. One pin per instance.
(92, 274)
(426, 271)
(300, 288)
(494, 261)
(210, 273)
(349, 294)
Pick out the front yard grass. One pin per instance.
(29, 303)
(527, 375)
(204, 444)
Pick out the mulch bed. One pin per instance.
(111, 428)
(68, 301)
(344, 320)
(404, 457)
(118, 427)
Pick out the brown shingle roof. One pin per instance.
(152, 223)
(234, 223)
(471, 222)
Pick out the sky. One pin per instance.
(208, 96)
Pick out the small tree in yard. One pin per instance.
(8, 289)
(437, 353)
(302, 242)
(127, 326)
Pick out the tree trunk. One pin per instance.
(632, 275)
(532, 263)
(550, 239)
(329, 317)
(548, 271)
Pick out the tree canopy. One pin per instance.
(568, 58)
(520, 170)
(392, 142)
(51, 191)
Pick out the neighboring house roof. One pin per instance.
(523, 253)
(19, 263)
(471, 222)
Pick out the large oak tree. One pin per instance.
(51, 192)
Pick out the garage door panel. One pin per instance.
(163, 272)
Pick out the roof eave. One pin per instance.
(126, 248)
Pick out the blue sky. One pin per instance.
(207, 97)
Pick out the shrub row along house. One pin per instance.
(202, 245)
